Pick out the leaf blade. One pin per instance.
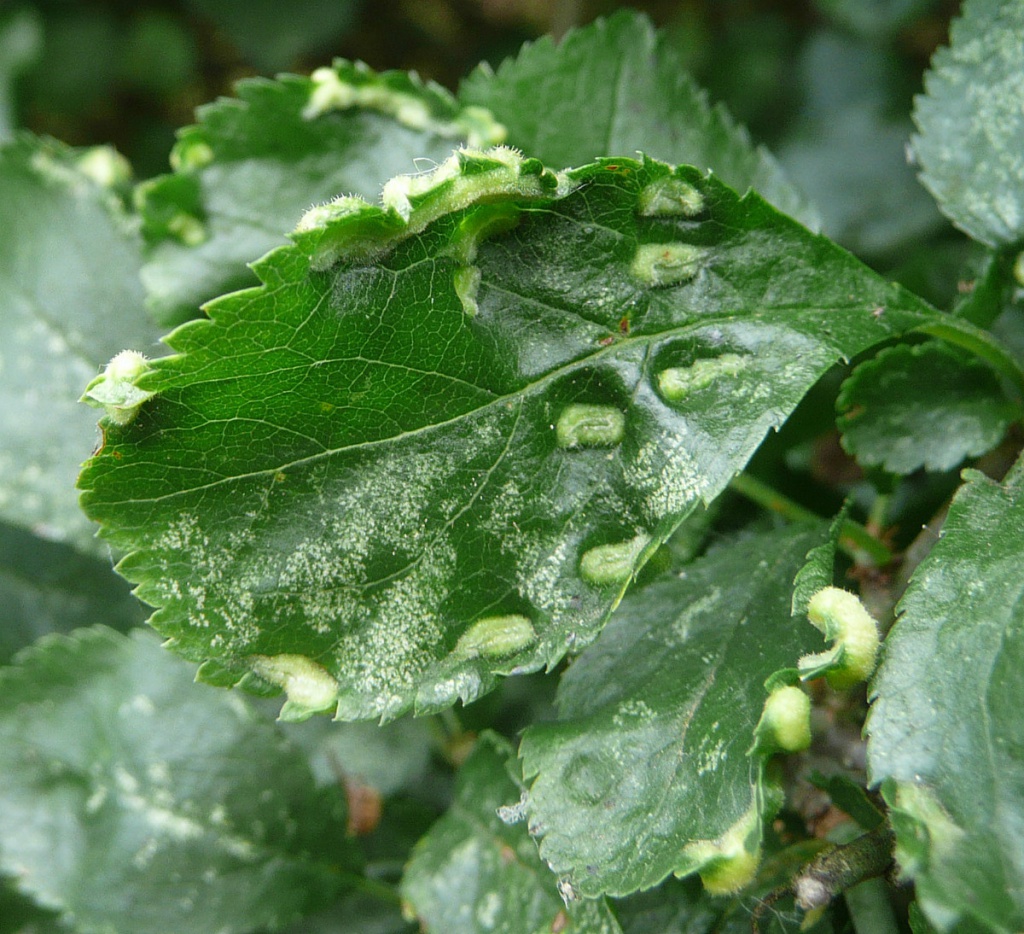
(943, 729)
(128, 794)
(971, 129)
(674, 681)
(385, 470)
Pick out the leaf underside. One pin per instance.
(254, 163)
(61, 323)
(396, 466)
(675, 683)
(971, 142)
(130, 800)
(945, 730)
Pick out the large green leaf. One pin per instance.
(617, 86)
(253, 164)
(48, 587)
(135, 801)
(442, 457)
(69, 296)
(945, 729)
(675, 682)
(475, 874)
(972, 126)
(926, 405)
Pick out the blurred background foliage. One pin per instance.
(826, 84)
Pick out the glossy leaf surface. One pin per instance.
(61, 322)
(971, 142)
(475, 874)
(254, 163)
(618, 86)
(428, 466)
(945, 736)
(135, 800)
(646, 772)
(922, 406)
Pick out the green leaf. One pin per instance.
(971, 124)
(69, 298)
(674, 907)
(675, 682)
(617, 86)
(819, 569)
(847, 146)
(474, 873)
(134, 800)
(47, 587)
(253, 164)
(443, 457)
(926, 405)
(944, 731)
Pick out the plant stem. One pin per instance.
(855, 540)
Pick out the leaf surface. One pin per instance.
(47, 587)
(618, 86)
(925, 405)
(419, 469)
(971, 141)
(135, 800)
(474, 874)
(675, 683)
(70, 298)
(945, 736)
(254, 163)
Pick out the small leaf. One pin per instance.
(348, 464)
(70, 298)
(134, 800)
(819, 571)
(944, 731)
(253, 164)
(47, 587)
(971, 124)
(674, 682)
(926, 405)
(474, 874)
(617, 86)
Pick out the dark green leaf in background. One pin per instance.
(946, 736)
(135, 801)
(426, 469)
(617, 86)
(646, 772)
(70, 298)
(926, 405)
(273, 35)
(474, 873)
(20, 43)
(255, 163)
(971, 142)
(50, 587)
(847, 146)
